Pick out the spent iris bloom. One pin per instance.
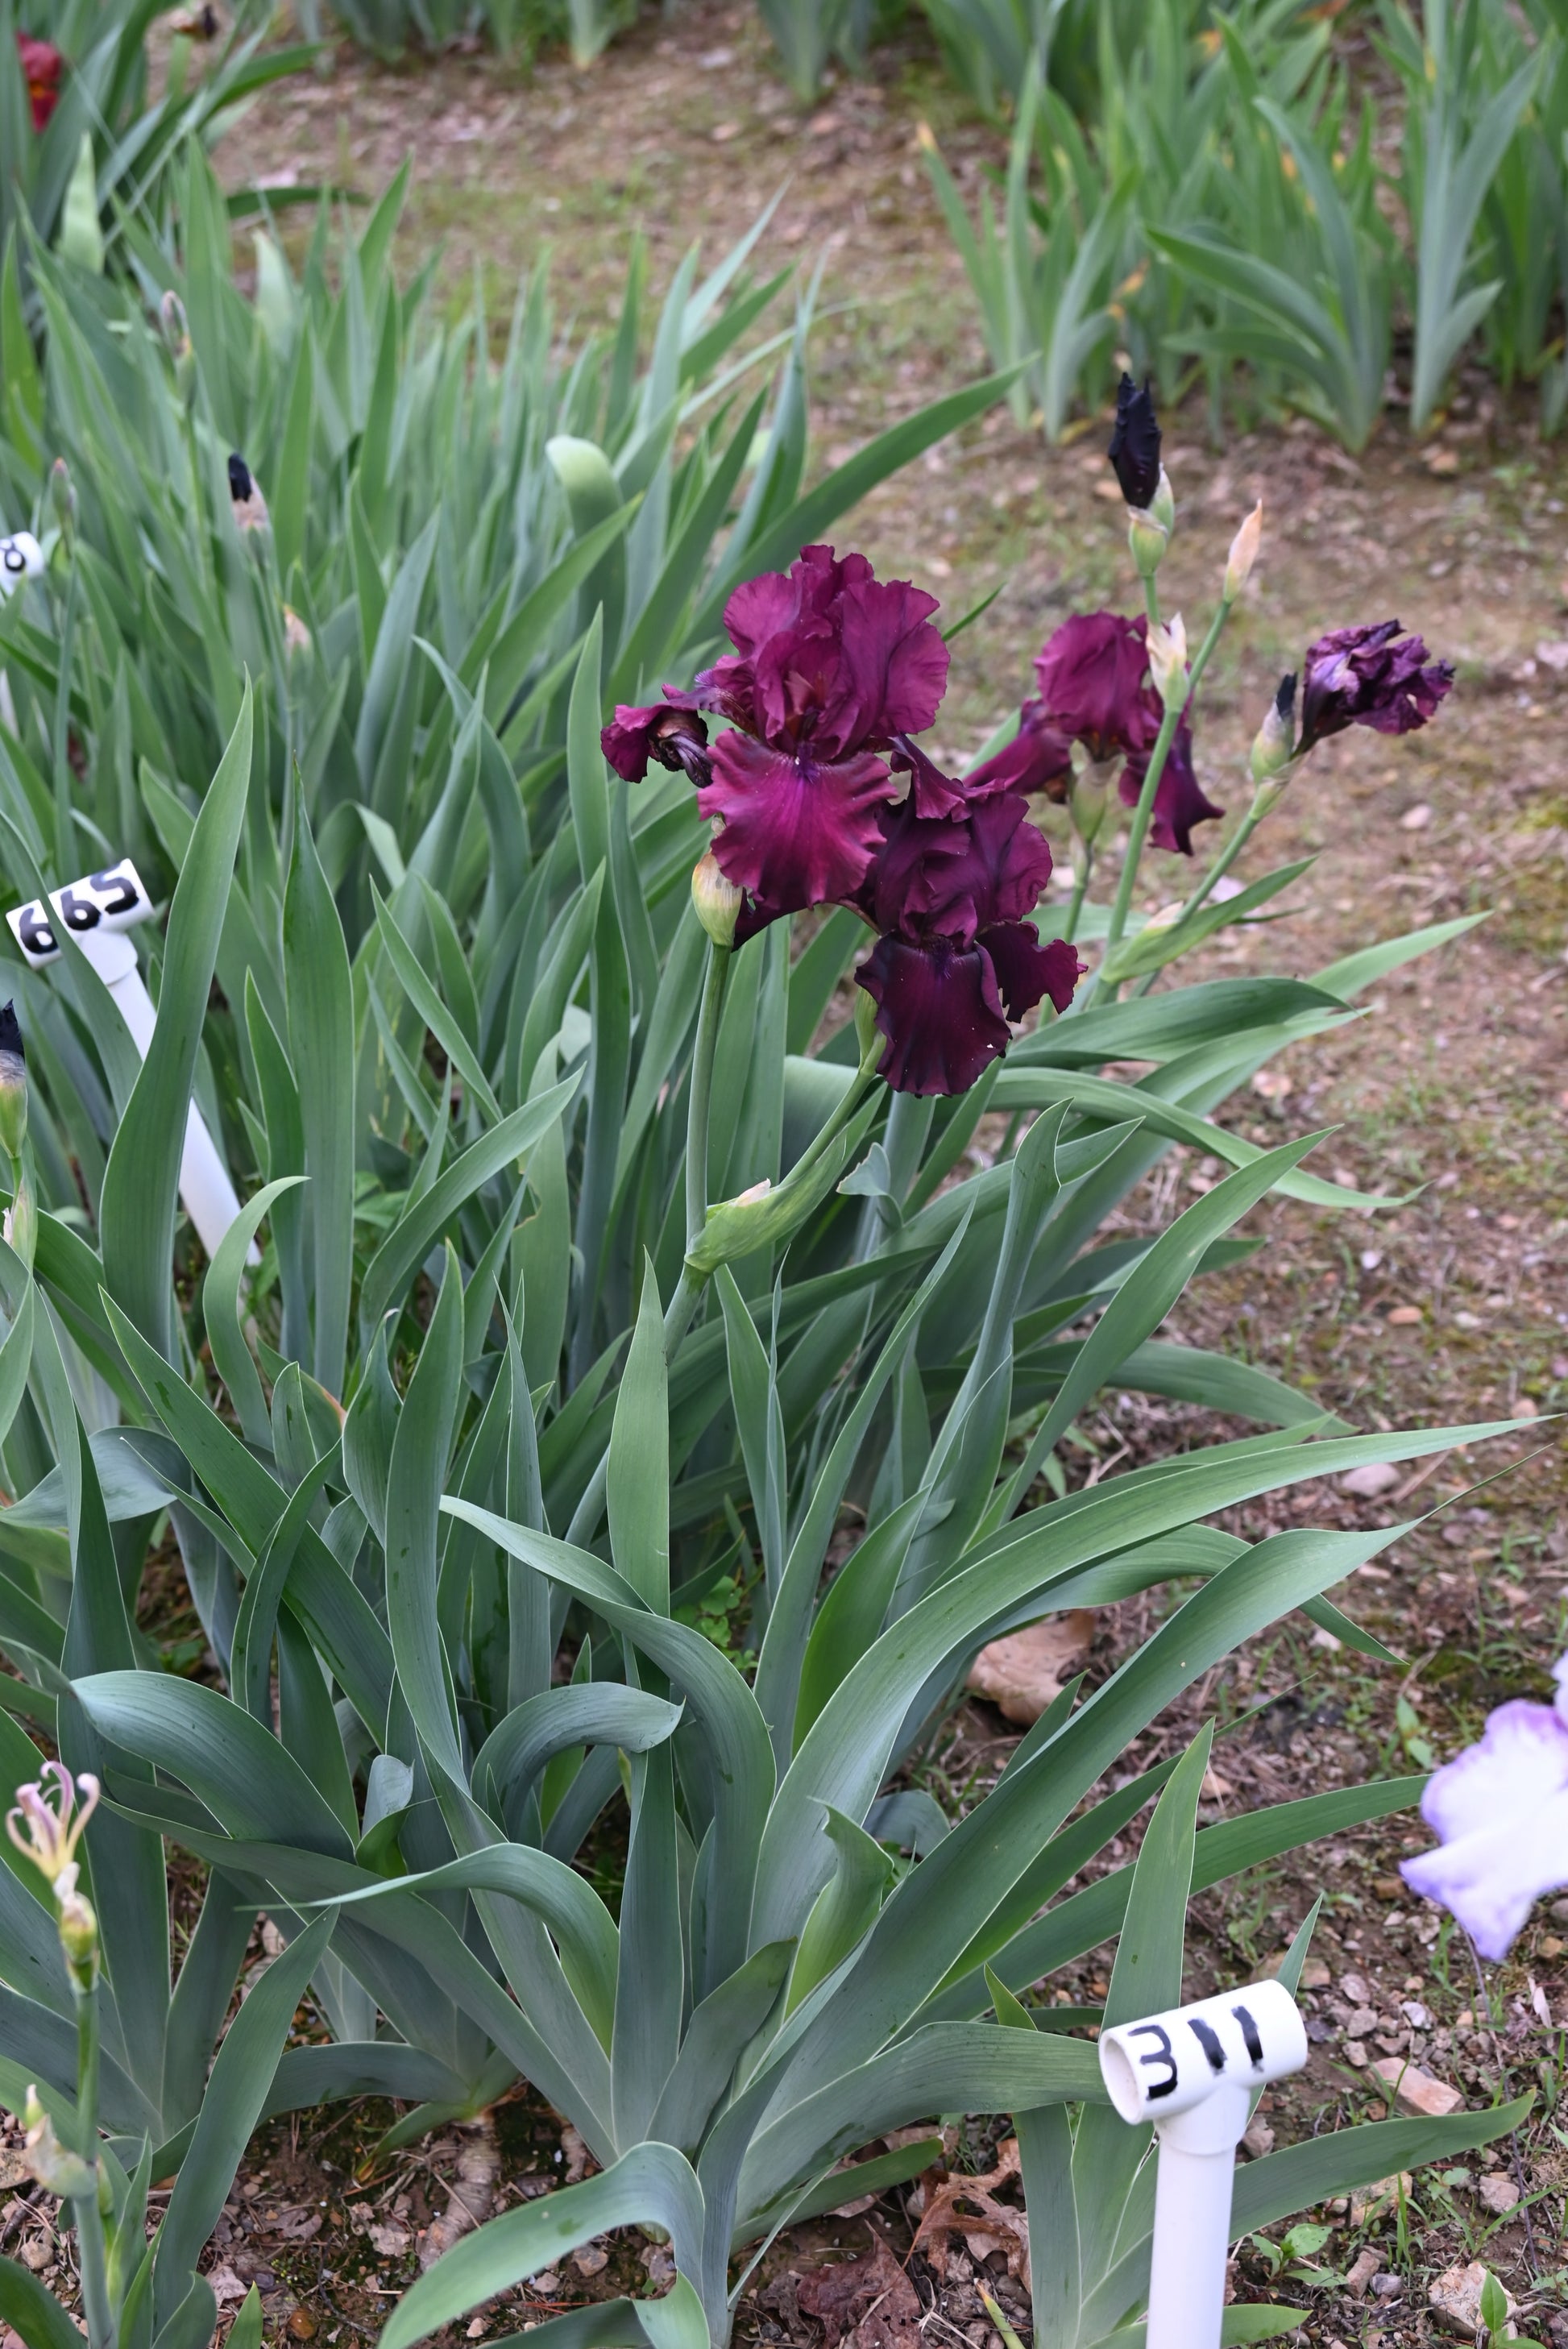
(956, 960)
(50, 1833)
(1373, 675)
(1501, 1812)
(833, 670)
(42, 65)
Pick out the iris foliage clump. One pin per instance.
(597, 1263)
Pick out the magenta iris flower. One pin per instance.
(1369, 676)
(956, 960)
(1500, 1810)
(831, 667)
(822, 797)
(1093, 677)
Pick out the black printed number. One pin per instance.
(113, 878)
(34, 932)
(1160, 2054)
(80, 912)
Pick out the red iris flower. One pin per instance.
(1039, 758)
(956, 960)
(831, 668)
(41, 69)
(1369, 676)
(1093, 690)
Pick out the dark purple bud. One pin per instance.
(1135, 443)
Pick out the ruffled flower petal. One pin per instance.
(1500, 1810)
(1039, 758)
(797, 831)
(1179, 801)
(931, 793)
(956, 875)
(1029, 967)
(1369, 676)
(939, 1008)
(1091, 675)
(895, 662)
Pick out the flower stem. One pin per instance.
(1210, 880)
(700, 1102)
(1081, 879)
(89, 2215)
(1143, 813)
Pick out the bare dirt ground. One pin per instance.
(1453, 1088)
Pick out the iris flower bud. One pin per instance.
(12, 1084)
(78, 1933)
(1090, 798)
(64, 497)
(716, 900)
(1147, 539)
(1162, 504)
(1243, 553)
(1168, 660)
(1274, 741)
(56, 2168)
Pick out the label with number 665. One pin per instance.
(114, 899)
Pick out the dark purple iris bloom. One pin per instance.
(1091, 674)
(676, 737)
(1134, 450)
(956, 959)
(831, 667)
(1039, 758)
(1369, 676)
(1179, 798)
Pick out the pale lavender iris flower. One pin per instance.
(1500, 1810)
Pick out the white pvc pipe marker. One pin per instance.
(1194, 2073)
(97, 910)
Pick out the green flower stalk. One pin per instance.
(23, 1221)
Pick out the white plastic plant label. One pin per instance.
(113, 899)
(1167, 2063)
(21, 557)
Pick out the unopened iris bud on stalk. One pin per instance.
(1168, 660)
(1274, 741)
(56, 2168)
(1162, 504)
(1147, 540)
(78, 1931)
(1243, 553)
(64, 498)
(1089, 797)
(12, 1084)
(716, 900)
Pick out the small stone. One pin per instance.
(1558, 1913)
(302, 2325)
(1498, 2192)
(1415, 2015)
(1415, 819)
(476, 2328)
(1362, 2270)
(1455, 2296)
(1404, 1317)
(1259, 2137)
(1387, 2287)
(1415, 2091)
(1376, 1477)
(1356, 1989)
(546, 2284)
(1371, 2201)
(590, 2261)
(1388, 1887)
(1362, 2020)
(1314, 1975)
(1355, 2054)
(1550, 1946)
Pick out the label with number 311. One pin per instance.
(114, 899)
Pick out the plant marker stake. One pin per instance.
(21, 557)
(97, 910)
(1194, 2073)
